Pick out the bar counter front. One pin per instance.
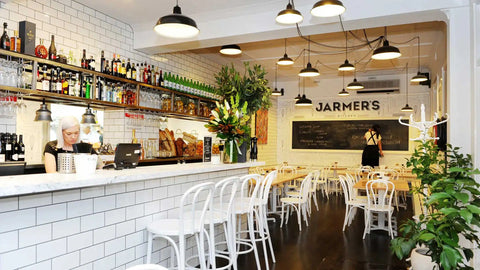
(70, 221)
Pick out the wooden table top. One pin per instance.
(286, 177)
(400, 185)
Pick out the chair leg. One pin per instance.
(299, 216)
(305, 217)
(367, 224)
(315, 200)
(268, 234)
(347, 214)
(263, 236)
(251, 232)
(149, 247)
(281, 222)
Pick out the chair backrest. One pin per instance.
(315, 178)
(288, 169)
(265, 186)
(325, 174)
(194, 205)
(147, 267)
(374, 175)
(380, 193)
(225, 193)
(305, 187)
(249, 185)
(350, 180)
(391, 173)
(346, 190)
(366, 168)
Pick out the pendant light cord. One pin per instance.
(418, 38)
(276, 69)
(406, 81)
(308, 50)
(285, 46)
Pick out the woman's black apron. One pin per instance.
(370, 155)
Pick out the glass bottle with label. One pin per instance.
(45, 80)
(15, 147)
(41, 51)
(65, 84)
(2, 147)
(15, 42)
(91, 63)
(102, 62)
(5, 40)
(59, 86)
(84, 59)
(8, 147)
(21, 148)
(52, 50)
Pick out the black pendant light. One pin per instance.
(285, 60)
(303, 101)
(88, 117)
(386, 52)
(407, 107)
(309, 71)
(419, 77)
(276, 92)
(355, 85)
(346, 66)
(327, 8)
(43, 114)
(289, 15)
(232, 49)
(176, 25)
(343, 93)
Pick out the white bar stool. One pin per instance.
(147, 267)
(190, 222)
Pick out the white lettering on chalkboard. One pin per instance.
(364, 105)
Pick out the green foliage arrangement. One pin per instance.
(251, 87)
(230, 120)
(452, 198)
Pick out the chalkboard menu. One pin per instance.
(347, 134)
(207, 149)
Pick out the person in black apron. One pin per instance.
(373, 149)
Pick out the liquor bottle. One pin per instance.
(123, 69)
(141, 71)
(8, 147)
(58, 86)
(107, 69)
(2, 147)
(153, 79)
(71, 85)
(134, 72)
(52, 51)
(161, 83)
(5, 40)
(145, 73)
(102, 62)
(91, 63)
(157, 77)
(128, 70)
(15, 42)
(41, 51)
(114, 67)
(119, 66)
(149, 75)
(21, 148)
(65, 84)
(100, 89)
(84, 59)
(15, 147)
(45, 81)
(53, 84)
(134, 139)
(177, 83)
(39, 81)
(88, 86)
(78, 85)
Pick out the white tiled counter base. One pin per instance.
(99, 227)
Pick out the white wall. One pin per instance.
(325, 91)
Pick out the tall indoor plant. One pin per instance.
(451, 198)
(251, 88)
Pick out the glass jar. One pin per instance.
(179, 105)
(191, 107)
(166, 103)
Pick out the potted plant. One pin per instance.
(230, 122)
(251, 88)
(452, 208)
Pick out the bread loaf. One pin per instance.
(171, 141)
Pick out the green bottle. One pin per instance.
(87, 88)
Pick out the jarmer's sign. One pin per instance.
(364, 105)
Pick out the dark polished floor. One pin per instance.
(324, 246)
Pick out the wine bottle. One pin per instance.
(153, 79)
(88, 87)
(71, 85)
(84, 59)
(45, 81)
(91, 63)
(78, 85)
(8, 147)
(141, 71)
(134, 139)
(5, 40)
(128, 73)
(58, 87)
(21, 148)
(134, 72)
(102, 62)
(114, 68)
(137, 72)
(52, 50)
(2, 147)
(39, 81)
(123, 70)
(145, 73)
(15, 147)
(53, 83)
(160, 80)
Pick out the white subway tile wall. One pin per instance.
(103, 230)
(77, 27)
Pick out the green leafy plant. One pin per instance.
(251, 87)
(452, 199)
(230, 120)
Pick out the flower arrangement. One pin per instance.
(230, 122)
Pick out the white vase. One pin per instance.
(420, 261)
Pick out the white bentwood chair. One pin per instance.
(299, 204)
(191, 221)
(352, 202)
(379, 193)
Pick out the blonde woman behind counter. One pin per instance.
(68, 133)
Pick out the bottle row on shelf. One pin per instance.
(10, 148)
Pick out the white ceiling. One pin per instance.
(251, 24)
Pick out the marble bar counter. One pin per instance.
(73, 221)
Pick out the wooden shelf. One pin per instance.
(50, 97)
